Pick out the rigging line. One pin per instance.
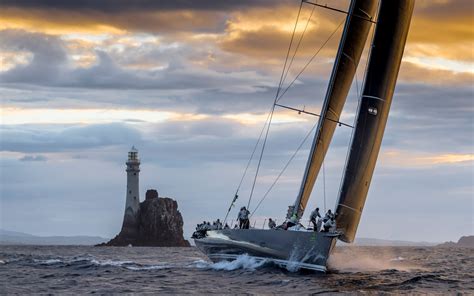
(246, 168)
(273, 107)
(285, 167)
(365, 16)
(313, 114)
(261, 156)
(298, 45)
(324, 185)
(289, 49)
(278, 97)
(310, 60)
(253, 152)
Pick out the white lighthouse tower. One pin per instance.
(132, 198)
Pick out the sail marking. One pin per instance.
(385, 58)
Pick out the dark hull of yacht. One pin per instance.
(290, 249)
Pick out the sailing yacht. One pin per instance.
(310, 249)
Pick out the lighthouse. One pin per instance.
(132, 197)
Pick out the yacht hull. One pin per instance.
(290, 249)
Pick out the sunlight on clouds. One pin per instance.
(89, 116)
(130, 50)
(84, 60)
(441, 64)
(415, 159)
(448, 158)
(12, 59)
(283, 21)
(251, 119)
(12, 116)
(54, 22)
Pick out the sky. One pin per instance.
(189, 83)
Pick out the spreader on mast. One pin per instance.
(354, 37)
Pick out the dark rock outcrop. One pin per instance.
(150, 194)
(160, 224)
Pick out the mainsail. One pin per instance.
(354, 36)
(381, 76)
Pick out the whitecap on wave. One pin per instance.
(48, 261)
(397, 259)
(130, 265)
(241, 262)
(148, 267)
(110, 262)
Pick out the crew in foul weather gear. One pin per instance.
(271, 223)
(314, 218)
(330, 225)
(319, 224)
(219, 224)
(292, 222)
(328, 216)
(243, 218)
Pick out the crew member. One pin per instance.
(330, 225)
(219, 224)
(243, 217)
(271, 223)
(292, 222)
(314, 218)
(328, 216)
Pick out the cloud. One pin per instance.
(50, 67)
(39, 139)
(411, 159)
(265, 32)
(238, 24)
(433, 74)
(33, 158)
(48, 57)
(58, 17)
(140, 5)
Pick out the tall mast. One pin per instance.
(354, 36)
(384, 63)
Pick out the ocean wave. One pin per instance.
(148, 267)
(85, 262)
(241, 262)
(47, 261)
(111, 262)
(397, 259)
(82, 270)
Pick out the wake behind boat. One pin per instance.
(296, 247)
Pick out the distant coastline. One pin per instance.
(393, 243)
(463, 242)
(19, 238)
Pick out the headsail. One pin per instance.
(354, 36)
(385, 58)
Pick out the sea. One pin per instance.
(142, 270)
